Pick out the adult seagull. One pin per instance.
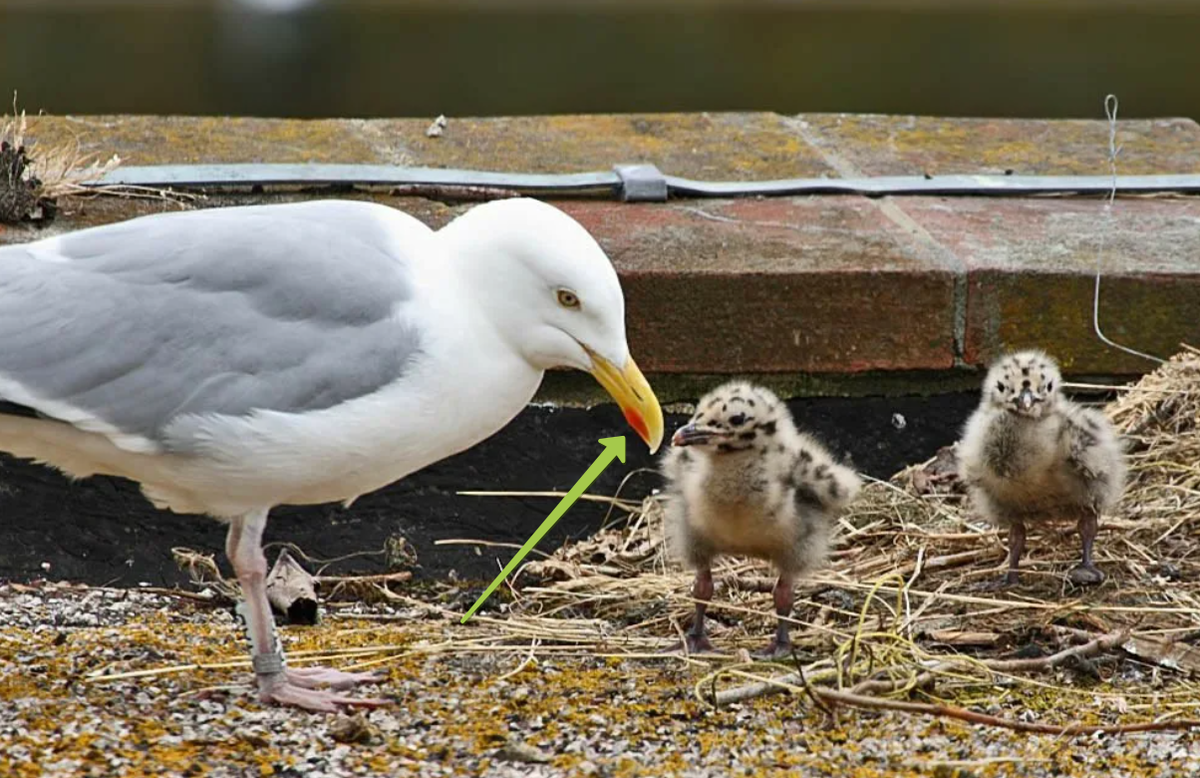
(233, 359)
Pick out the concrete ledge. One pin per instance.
(726, 145)
(830, 286)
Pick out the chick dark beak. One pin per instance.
(691, 435)
(1025, 399)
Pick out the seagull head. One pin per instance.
(552, 294)
(1025, 383)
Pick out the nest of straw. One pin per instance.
(900, 598)
(32, 179)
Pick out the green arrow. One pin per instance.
(614, 448)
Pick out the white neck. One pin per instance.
(486, 285)
(497, 382)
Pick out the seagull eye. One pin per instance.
(567, 298)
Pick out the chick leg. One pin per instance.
(277, 683)
(702, 591)
(1016, 547)
(1087, 574)
(781, 645)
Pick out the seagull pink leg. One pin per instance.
(277, 683)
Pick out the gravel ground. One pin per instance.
(454, 713)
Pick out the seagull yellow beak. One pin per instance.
(634, 396)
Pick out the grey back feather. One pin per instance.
(286, 308)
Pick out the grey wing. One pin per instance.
(121, 329)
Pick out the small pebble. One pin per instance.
(517, 751)
(353, 729)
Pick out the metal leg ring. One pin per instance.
(268, 664)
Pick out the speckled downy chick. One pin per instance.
(741, 479)
(1030, 454)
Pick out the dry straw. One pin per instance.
(32, 180)
(35, 176)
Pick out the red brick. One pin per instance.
(1031, 266)
(780, 285)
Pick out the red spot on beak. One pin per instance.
(637, 422)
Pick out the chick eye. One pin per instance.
(567, 298)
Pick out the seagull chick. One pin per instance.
(1030, 454)
(230, 360)
(741, 479)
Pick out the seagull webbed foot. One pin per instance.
(297, 689)
(315, 677)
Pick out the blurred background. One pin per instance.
(369, 58)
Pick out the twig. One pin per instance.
(323, 563)
(583, 497)
(530, 658)
(398, 577)
(1040, 664)
(194, 596)
(453, 192)
(878, 686)
(486, 543)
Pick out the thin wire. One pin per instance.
(1110, 110)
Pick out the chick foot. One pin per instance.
(1085, 575)
(1009, 580)
(774, 651)
(691, 644)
